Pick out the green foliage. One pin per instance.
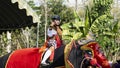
(57, 7)
(101, 8)
(71, 30)
(18, 39)
(100, 22)
(3, 44)
(105, 28)
(54, 7)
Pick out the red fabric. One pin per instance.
(101, 60)
(59, 42)
(24, 58)
(93, 61)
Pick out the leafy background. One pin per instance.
(100, 17)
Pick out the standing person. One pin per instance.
(54, 38)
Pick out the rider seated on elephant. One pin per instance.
(54, 36)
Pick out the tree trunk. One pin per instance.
(8, 42)
(45, 6)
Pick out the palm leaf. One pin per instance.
(87, 25)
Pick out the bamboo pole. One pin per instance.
(37, 34)
(45, 6)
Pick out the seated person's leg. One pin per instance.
(47, 55)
